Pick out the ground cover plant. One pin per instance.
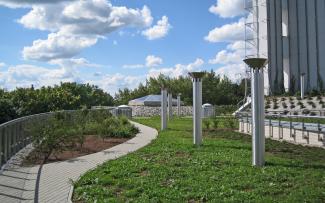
(171, 169)
(68, 131)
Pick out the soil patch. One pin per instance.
(91, 145)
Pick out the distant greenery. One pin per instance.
(67, 130)
(171, 169)
(217, 90)
(66, 96)
(20, 102)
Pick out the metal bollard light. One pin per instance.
(258, 114)
(170, 106)
(179, 104)
(197, 106)
(163, 108)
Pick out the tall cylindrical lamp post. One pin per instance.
(179, 104)
(258, 115)
(302, 85)
(170, 106)
(197, 106)
(163, 108)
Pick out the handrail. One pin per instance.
(241, 114)
(14, 137)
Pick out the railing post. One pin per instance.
(302, 85)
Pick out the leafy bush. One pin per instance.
(225, 109)
(64, 130)
(215, 123)
(207, 124)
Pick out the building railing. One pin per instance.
(14, 134)
(301, 129)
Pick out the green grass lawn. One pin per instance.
(171, 169)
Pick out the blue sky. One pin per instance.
(119, 43)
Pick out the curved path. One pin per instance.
(54, 179)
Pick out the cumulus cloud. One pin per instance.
(133, 66)
(57, 46)
(158, 31)
(234, 53)
(178, 70)
(72, 30)
(2, 64)
(75, 63)
(112, 83)
(228, 33)
(153, 61)
(27, 3)
(26, 75)
(228, 8)
(150, 62)
(234, 72)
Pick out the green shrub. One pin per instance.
(64, 130)
(215, 123)
(207, 124)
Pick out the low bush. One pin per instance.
(207, 124)
(225, 109)
(66, 130)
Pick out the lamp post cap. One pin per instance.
(256, 62)
(196, 74)
(303, 73)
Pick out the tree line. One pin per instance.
(20, 102)
(216, 90)
(66, 96)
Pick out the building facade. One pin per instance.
(291, 34)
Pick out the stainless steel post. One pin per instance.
(258, 115)
(170, 106)
(197, 107)
(302, 85)
(163, 108)
(179, 105)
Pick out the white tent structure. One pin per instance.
(149, 100)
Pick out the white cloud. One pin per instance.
(225, 57)
(75, 63)
(73, 30)
(228, 8)
(237, 45)
(178, 70)
(27, 3)
(228, 33)
(2, 64)
(234, 53)
(133, 66)
(158, 31)
(26, 75)
(234, 72)
(57, 46)
(153, 61)
(112, 83)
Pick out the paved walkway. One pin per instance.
(54, 180)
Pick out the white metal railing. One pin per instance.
(300, 129)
